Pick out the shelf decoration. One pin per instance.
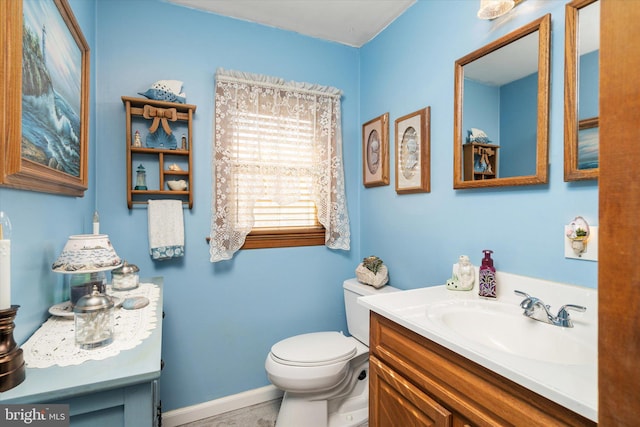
(166, 90)
(141, 178)
(480, 156)
(162, 138)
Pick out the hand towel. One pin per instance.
(166, 229)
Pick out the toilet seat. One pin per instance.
(314, 349)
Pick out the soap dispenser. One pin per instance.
(487, 279)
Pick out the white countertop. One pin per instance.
(573, 385)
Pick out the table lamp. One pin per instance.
(86, 258)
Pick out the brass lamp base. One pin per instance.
(12, 370)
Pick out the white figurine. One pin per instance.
(464, 275)
(137, 141)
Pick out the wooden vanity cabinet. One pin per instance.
(415, 382)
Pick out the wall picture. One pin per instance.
(588, 144)
(48, 150)
(375, 151)
(413, 146)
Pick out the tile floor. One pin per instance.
(260, 415)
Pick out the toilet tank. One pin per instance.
(358, 315)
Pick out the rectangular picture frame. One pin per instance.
(413, 152)
(375, 151)
(61, 165)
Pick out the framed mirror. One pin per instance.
(501, 111)
(581, 81)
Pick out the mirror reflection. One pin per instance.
(501, 111)
(582, 50)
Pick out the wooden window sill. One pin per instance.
(283, 238)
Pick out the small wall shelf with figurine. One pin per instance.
(480, 161)
(159, 138)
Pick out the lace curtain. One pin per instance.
(243, 160)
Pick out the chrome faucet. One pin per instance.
(535, 309)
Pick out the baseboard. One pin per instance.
(211, 408)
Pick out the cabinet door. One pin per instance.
(394, 401)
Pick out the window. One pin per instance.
(282, 142)
(278, 175)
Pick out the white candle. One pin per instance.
(5, 262)
(96, 223)
(5, 274)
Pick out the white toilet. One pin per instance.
(325, 375)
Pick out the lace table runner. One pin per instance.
(54, 342)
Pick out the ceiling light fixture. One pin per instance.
(491, 9)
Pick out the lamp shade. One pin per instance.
(491, 9)
(87, 253)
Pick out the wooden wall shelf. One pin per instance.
(157, 160)
(487, 153)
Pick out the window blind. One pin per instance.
(266, 149)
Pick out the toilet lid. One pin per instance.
(318, 348)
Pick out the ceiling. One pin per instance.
(349, 22)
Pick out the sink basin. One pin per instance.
(503, 327)
(558, 363)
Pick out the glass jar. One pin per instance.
(94, 320)
(81, 284)
(125, 278)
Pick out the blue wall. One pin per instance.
(481, 110)
(42, 222)
(519, 127)
(507, 120)
(419, 236)
(222, 318)
(588, 89)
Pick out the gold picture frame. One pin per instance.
(61, 168)
(413, 152)
(375, 151)
(581, 137)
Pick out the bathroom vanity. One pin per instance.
(416, 382)
(450, 358)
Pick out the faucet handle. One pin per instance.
(527, 304)
(564, 308)
(563, 314)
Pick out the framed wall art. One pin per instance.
(413, 152)
(581, 80)
(45, 95)
(375, 151)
